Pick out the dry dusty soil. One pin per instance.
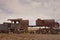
(29, 36)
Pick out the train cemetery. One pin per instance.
(45, 26)
(19, 29)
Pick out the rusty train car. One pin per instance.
(21, 26)
(16, 26)
(50, 25)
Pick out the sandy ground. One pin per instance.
(29, 36)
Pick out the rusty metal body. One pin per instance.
(19, 25)
(51, 24)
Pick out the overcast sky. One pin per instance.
(29, 9)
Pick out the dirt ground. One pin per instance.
(29, 36)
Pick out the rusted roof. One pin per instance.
(14, 19)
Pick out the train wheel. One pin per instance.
(55, 32)
(43, 31)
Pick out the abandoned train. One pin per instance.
(20, 26)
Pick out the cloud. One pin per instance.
(36, 3)
(24, 2)
(40, 3)
(4, 8)
(41, 0)
(46, 8)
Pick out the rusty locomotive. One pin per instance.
(16, 26)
